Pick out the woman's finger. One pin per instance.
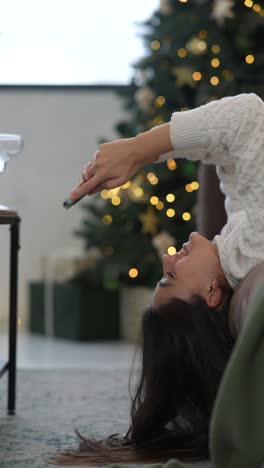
(87, 171)
(107, 185)
(86, 187)
(84, 177)
(96, 189)
(81, 182)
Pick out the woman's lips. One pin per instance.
(181, 252)
(184, 250)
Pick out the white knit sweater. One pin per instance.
(229, 133)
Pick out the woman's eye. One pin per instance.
(170, 274)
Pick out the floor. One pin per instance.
(40, 352)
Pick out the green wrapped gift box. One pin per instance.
(80, 312)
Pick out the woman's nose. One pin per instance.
(193, 235)
(168, 261)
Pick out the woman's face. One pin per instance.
(190, 271)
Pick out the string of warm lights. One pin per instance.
(254, 6)
(247, 3)
(197, 45)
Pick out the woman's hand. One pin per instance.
(112, 165)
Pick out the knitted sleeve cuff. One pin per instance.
(187, 134)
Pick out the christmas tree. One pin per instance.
(196, 51)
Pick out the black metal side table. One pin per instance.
(11, 217)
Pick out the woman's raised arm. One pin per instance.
(210, 133)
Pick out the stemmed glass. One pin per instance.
(11, 145)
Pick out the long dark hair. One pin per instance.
(185, 348)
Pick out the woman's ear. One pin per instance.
(215, 295)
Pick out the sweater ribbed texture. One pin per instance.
(229, 133)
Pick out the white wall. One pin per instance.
(60, 128)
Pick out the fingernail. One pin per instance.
(68, 203)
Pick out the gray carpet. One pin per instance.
(50, 403)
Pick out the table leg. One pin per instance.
(14, 229)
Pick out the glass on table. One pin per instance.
(11, 145)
